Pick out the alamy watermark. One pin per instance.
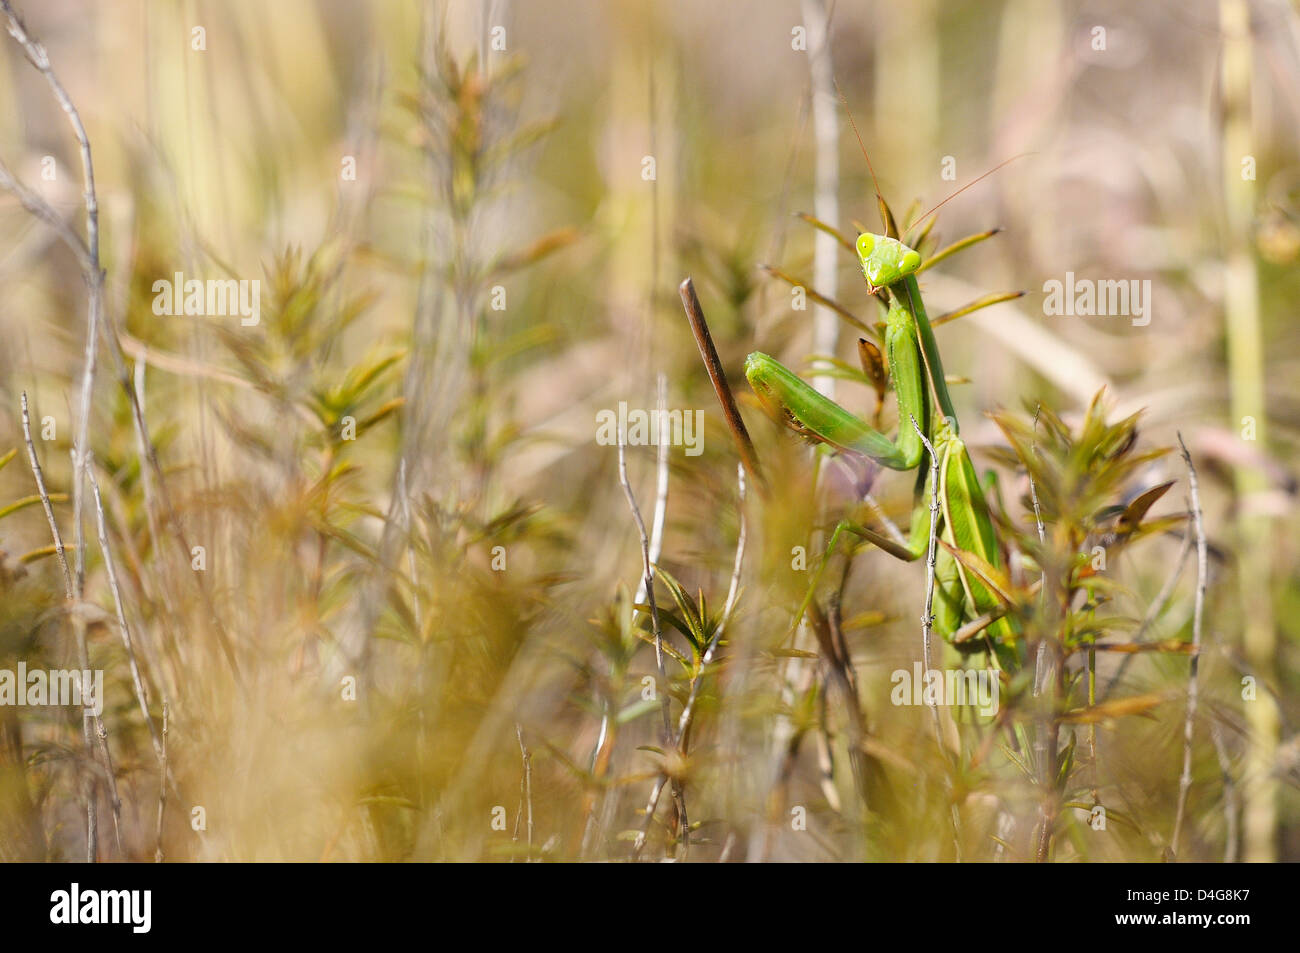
(947, 687)
(677, 428)
(1084, 297)
(56, 686)
(216, 297)
(133, 908)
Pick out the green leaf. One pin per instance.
(822, 300)
(829, 230)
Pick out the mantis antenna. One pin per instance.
(969, 184)
(885, 216)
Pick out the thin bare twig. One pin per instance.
(525, 789)
(41, 209)
(162, 789)
(647, 578)
(38, 57)
(1040, 655)
(828, 629)
(94, 277)
(826, 747)
(733, 591)
(402, 505)
(88, 731)
(159, 743)
(661, 487)
(45, 501)
(688, 711)
(115, 802)
(1231, 800)
(927, 617)
(648, 575)
(1153, 611)
(1046, 734)
(141, 692)
(651, 807)
(1202, 570)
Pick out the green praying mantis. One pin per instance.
(969, 612)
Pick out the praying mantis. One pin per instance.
(969, 611)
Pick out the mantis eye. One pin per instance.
(866, 243)
(911, 261)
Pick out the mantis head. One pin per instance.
(885, 260)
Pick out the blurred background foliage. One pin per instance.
(437, 653)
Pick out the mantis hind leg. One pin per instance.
(914, 548)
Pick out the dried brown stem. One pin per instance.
(713, 364)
